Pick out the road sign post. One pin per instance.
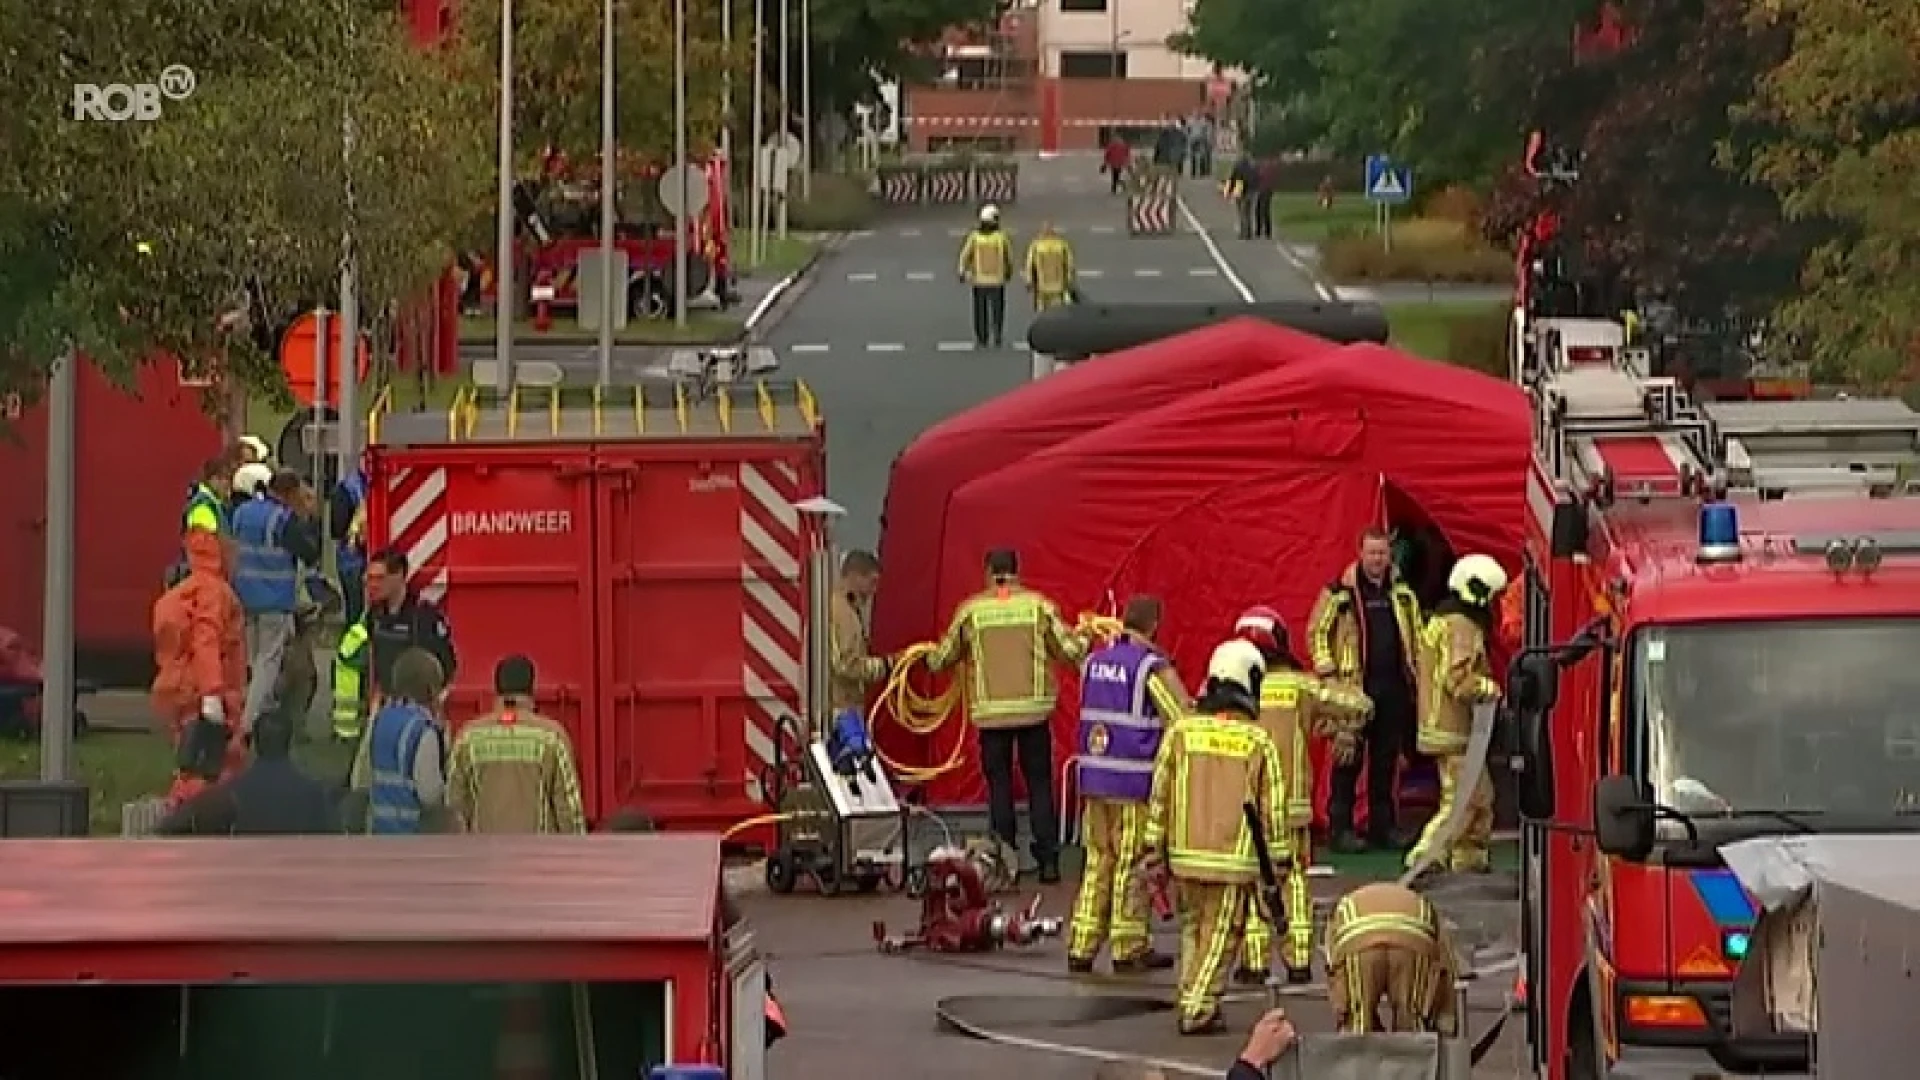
(1387, 185)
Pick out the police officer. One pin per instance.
(1049, 269)
(273, 535)
(854, 668)
(1455, 675)
(347, 515)
(1364, 629)
(1210, 761)
(402, 762)
(396, 619)
(1387, 946)
(1293, 705)
(512, 770)
(1128, 694)
(986, 261)
(1010, 636)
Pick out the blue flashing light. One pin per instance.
(1719, 533)
(1734, 943)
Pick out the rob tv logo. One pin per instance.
(117, 102)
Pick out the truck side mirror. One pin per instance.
(1568, 535)
(1535, 752)
(1533, 683)
(1623, 818)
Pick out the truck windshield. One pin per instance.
(1776, 716)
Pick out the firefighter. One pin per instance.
(854, 668)
(1211, 763)
(1454, 677)
(402, 762)
(200, 662)
(512, 770)
(1049, 271)
(1128, 694)
(1010, 637)
(986, 261)
(1387, 946)
(1364, 630)
(1295, 704)
(396, 619)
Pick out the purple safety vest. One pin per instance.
(1120, 729)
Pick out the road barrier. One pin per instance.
(947, 186)
(946, 182)
(899, 185)
(996, 183)
(1152, 199)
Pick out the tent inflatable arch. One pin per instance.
(1252, 493)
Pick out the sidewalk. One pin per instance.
(1270, 268)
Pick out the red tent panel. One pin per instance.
(1040, 414)
(1250, 493)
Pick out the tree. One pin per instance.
(140, 235)
(859, 41)
(1845, 150)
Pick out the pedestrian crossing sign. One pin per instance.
(1387, 182)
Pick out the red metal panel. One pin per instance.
(1641, 463)
(502, 538)
(702, 587)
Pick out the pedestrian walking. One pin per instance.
(986, 261)
(200, 663)
(1049, 272)
(273, 535)
(1455, 675)
(1115, 158)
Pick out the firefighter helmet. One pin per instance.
(251, 478)
(1265, 629)
(256, 448)
(1234, 673)
(1476, 579)
(989, 215)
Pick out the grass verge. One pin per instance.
(1424, 250)
(1469, 334)
(1299, 218)
(703, 327)
(119, 767)
(266, 418)
(783, 255)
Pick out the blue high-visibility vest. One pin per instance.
(265, 574)
(393, 803)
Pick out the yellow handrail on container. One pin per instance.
(553, 411)
(723, 401)
(597, 429)
(382, 402)
(639, 410)
(464, 410)
(513, 412)
(809, 408)
(680, 404)
(765, 400)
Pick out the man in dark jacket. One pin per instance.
(270, 797)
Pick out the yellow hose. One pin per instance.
(924, 715)
(754, 823)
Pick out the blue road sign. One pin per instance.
(1387, 182)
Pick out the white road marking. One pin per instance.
(956, 232)
(909, 232)
(863, 277)
(885, 346)
(1213, 249)
(860, 234)
(809, 348)
(920, 275)
(1203, 271)
(1093, 273)
(955, 346)
(1103, 230)
(1146, 271)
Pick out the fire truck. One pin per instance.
(1721, 626)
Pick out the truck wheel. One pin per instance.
(780, 873)
(647, 298)
(1584, 1060)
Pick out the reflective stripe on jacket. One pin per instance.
(1454, 677)
(265, 575)
(1295, 705)
(1049, 265)
(1383, 914)
(205, 511)
(394, 744)
(512, 771)
(986, 259)
(1209, 767)
(1010, 638)
(349, 681)
(1337, 629)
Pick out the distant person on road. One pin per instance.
(1049, 271)
(986, 261)
(1266, 181)
(512, 770)
(1170, 144)
(272, 796)
(402, 762)
(200, 662)
(1242, 187)
(1114, 161)
(273, 534)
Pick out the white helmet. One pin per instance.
(1235, 671)
(989, 215)
(256, 447)
(251, 478)
(1476, 579)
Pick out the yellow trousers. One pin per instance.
(1404, 979)
(1296, 952)
(1213, 918)
(1468, 851)
(1110, 910)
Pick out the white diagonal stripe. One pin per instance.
(786, 566)
(436, 590)
(432, 487)
(774, 604)
(787, 471)
(775, 504)
(429, 545)
(776, 657)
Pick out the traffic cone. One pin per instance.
(1520, 992)
(521, 1053)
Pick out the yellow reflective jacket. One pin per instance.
(513, 771)
(1453, 678)
(349, 682)
(1208, 768)
(1295, 705)
(986, 258)
(1049, 265)
(1010, 638)
(1337, 629)
(1387, 915)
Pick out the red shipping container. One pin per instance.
(644, 549)
(136, 455)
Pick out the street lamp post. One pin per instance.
(684, 225)
(503, 238)
(608, 151)
(806, 99)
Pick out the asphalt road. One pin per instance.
(883, 329)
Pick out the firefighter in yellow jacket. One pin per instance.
(1454, 677)
(1386, 946)
(1049, 269)
(986, 262)
(512, 770)
(1214, 762)
(854, 668)
(1011, 637)
(1295, 704)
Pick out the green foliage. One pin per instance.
(839, 204)
(856, 41)
(1426, 250)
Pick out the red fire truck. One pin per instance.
(1722, 616)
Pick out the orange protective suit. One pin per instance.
(199, 651)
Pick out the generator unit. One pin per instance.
(841, 824)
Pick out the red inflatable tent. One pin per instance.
(1251, 493)
(1083, 398)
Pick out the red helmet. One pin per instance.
(1264, 628)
